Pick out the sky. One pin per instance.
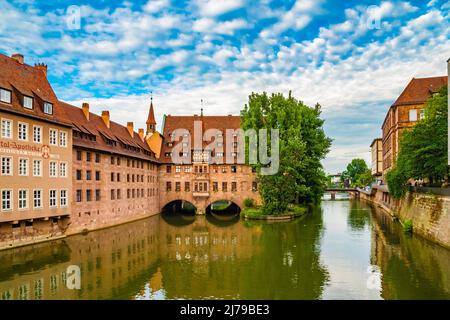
(352, 57)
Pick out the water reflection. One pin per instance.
(343, 250)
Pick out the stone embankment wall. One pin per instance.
(429, 213)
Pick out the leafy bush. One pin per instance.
(397, 183)
(407, 226)
(249, 203)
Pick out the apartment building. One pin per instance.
(35, 155)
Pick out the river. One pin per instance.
(344, 250)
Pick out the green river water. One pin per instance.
(344, 250)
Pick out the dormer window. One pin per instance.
(27, 102)
(48, 108)
(5, 95)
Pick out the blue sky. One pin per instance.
(353, 58)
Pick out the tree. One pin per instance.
(357, 173)
(423, 149)
(303, 144)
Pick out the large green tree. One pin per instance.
(357, 173)
(423, 149)
(303, 144)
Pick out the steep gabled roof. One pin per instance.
(22, 79)
(115, 132)
(419, 90)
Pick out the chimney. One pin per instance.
(85, 108)
(18, 57)
(130, 127)
(105, 117)
(42, 67)
(141, 133)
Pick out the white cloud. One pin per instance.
(208, 25)
(213, 8)
(153, 6)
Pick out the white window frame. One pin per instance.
(19, 199)
(177, 169)
(27, 162)
(50, 171)
(65, 198)
(30, 99)
(50, 198)
(40, 168)
(63, 173)
(47, 104)
(10, 131)
(11, 166)
(40, 129)
(52, 130)
(2, 95)
(19, 125)
(11, 197)
(40, 199)
(61, 134)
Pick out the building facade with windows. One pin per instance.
(35, 155)
(201, 173)
(404, 113)
(114, 172)
(376, 150)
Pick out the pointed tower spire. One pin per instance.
(151, 122)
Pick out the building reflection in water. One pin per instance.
(181, 256)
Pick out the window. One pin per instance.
(23, 167)
(63, 139)
(53, 171)
(97, 195)
(215, 186)
(187, 169)
(53, 137)
(37, 168)
(254, 186)
(233, 169)
(6, 166)
(97, 157)
(178, 169)
(88, 174)
(63, 169)
(6, 200)
(187, 186)
(118, 161)
(5, 95)
(78, 197)
(168, 169)
(113, 194)
(79, 175)
(37, 134)
(219, 154)
(112, 176)
(421, 114)
(177, 186)
(233, 186)
(168, 186)
(23, 131)
(97, 175)
(413, 115)
(224, 186)
(78, 155)
(118, 194)
(88, 195)
(6, 129)
(48, 108)
(63, 198)
(118, 177)
(37, 199)
(112, 160)
(23, 199)
(27, 102)
(52, 198)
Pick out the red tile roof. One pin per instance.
(116, 132)
(172, 123)
(419, 90)
(22, 79)
(151, 115)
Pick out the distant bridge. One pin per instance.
(333, 191)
